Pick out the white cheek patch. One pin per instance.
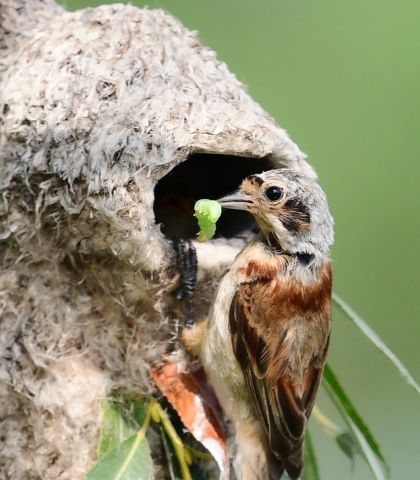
(277, 225)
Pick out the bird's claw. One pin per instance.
(187, 262)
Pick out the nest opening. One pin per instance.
(204, 176)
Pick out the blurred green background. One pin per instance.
(343, 77)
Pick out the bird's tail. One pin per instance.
(275, 468)
(293, 465)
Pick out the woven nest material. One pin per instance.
(112, 120)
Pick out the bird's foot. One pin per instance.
(187, 263)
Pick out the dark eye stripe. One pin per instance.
(297, 215)
(297, 208)
(291, 224)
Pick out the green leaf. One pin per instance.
(120, 419)
(114, 428)
(123, 450)
(311, 471)
(131, 460)
(369, 447)
(136, 410)
(376, 340)
(348, 444)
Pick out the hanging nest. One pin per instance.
(113, 121)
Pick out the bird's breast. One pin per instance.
(256, 263)
(285, 303)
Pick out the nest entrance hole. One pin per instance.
(204, 176)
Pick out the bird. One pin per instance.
(265, 341)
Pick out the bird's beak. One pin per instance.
(237, 200)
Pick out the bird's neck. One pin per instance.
(275, 245)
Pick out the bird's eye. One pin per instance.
(273, 193)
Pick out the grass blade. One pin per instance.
(376, 340)
(311, 471)
(368, 454)
(369, 447)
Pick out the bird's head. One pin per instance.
(288, 206)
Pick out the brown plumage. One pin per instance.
(282, 376)
(265, 343)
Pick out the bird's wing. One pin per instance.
(282, 401)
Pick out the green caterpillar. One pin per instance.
(207, 213)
